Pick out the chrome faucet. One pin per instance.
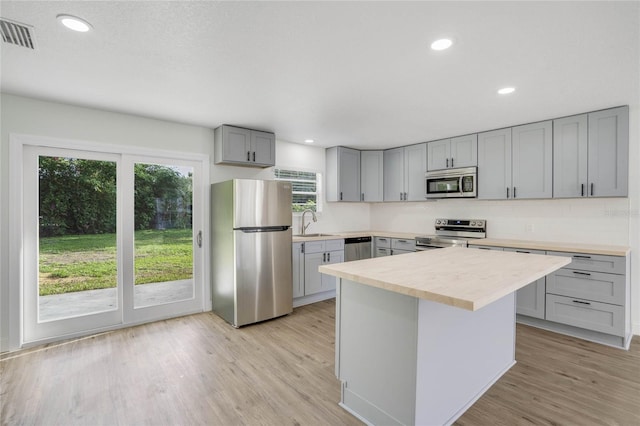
(313, 216)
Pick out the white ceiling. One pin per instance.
(359, 74)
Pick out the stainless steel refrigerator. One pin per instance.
(251, 250)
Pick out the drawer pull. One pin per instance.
(582, 273)
(402, 241)
(577, 256)
(522, 251)
(581, 302)
(382, 239)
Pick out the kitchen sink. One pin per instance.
(313, 235)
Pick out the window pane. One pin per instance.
(304, 188)
(77, 237)
(163, 264)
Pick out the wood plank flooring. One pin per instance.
(199, 370)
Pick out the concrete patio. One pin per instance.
(80, 303)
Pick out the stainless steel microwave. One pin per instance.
(452, 183)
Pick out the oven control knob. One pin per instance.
(473, 224)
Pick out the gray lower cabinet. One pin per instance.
(382, 246)
(343, 174)
(298, 269)
(590, 154)
(530, 300)
(318, 253)
(402, 246)
(591, 293)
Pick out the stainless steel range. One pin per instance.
(453, 233)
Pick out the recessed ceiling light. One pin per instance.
(506, 90)
(442, 44)
(74, 23)
(308, 141)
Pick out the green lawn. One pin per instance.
(87, 262)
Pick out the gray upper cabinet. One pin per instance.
(494, 164)
(371, 176)
(343, 174)
(404, 170)
(244, 147)
(590, 154)
(461, 151)
(516, 163)
(415, 162)
(608, 164)
(532, 160)
(570, 157)
(393, 166)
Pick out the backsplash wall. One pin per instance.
(597, 221)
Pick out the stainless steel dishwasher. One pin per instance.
(357, 248)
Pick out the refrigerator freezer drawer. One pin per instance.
(263, 281)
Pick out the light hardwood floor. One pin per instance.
(199, 370)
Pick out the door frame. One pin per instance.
(16, 199)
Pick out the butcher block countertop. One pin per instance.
(468, 279)
(566, 247)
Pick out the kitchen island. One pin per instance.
(420, 337)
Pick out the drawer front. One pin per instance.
(596, 286)
(594, 262)
(314, 247)
(395, 252)
(485, 247)
(581, 313)
(403, 244)
(334, 245)
(383, 242)
(526, 251)
(382, 251)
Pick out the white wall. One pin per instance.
(30, 116)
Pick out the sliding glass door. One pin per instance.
(109, 239)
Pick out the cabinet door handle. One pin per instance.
(405, 196)
(507, 192)
(328, 257)
(447, 162)
(401, 196)
(581, 302)
(341, 196)
(592, 188)
(362, 197)
(451, 161)
(254, 156)
(324, 257)
(582, 189)
(582, 273)
(522, 251)
(248, 155)
(302, 248)
(580, 256)
(514, 192)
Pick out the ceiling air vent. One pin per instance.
(16, 33)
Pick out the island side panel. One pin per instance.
(376, 344)
(460, 355)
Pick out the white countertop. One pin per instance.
(468, 279)
(601, 249)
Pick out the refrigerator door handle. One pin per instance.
(199, 239)
(264, 229)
